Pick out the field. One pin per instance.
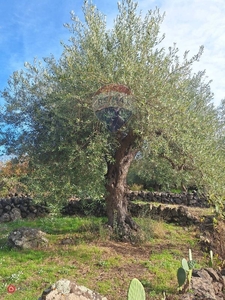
(80, 249)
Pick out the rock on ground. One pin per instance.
(27, 238)
(206, 284)
(67, 290)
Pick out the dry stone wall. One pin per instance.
(188, 199)
(172, 214)
(18, 207)
(177, 214)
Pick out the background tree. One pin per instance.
(13, 177)
(50, 117)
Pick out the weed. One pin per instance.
(102, 263)
(104, 287)
(159, 230)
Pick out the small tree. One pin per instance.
(13, 174)
(49, 108)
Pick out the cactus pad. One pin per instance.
(181, 276)
(136, 290)
(185, 265)
(191, 264)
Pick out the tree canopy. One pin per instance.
(48, 114)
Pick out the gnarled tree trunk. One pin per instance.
(116, 186)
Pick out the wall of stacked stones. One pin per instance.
(187, 199)
(174, 207)
(18, 207)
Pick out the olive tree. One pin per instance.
(50, 116)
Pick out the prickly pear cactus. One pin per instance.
(185, 265)
(181, 276)
(136, 290)
(191, 264)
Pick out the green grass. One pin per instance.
(164, 266)
(92, 259)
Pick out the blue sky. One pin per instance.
(34, 28)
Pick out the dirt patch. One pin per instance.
(128, 268)
(126, 249)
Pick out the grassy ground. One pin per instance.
(80, 249)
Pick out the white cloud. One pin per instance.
(194, 23)
(191, 24)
